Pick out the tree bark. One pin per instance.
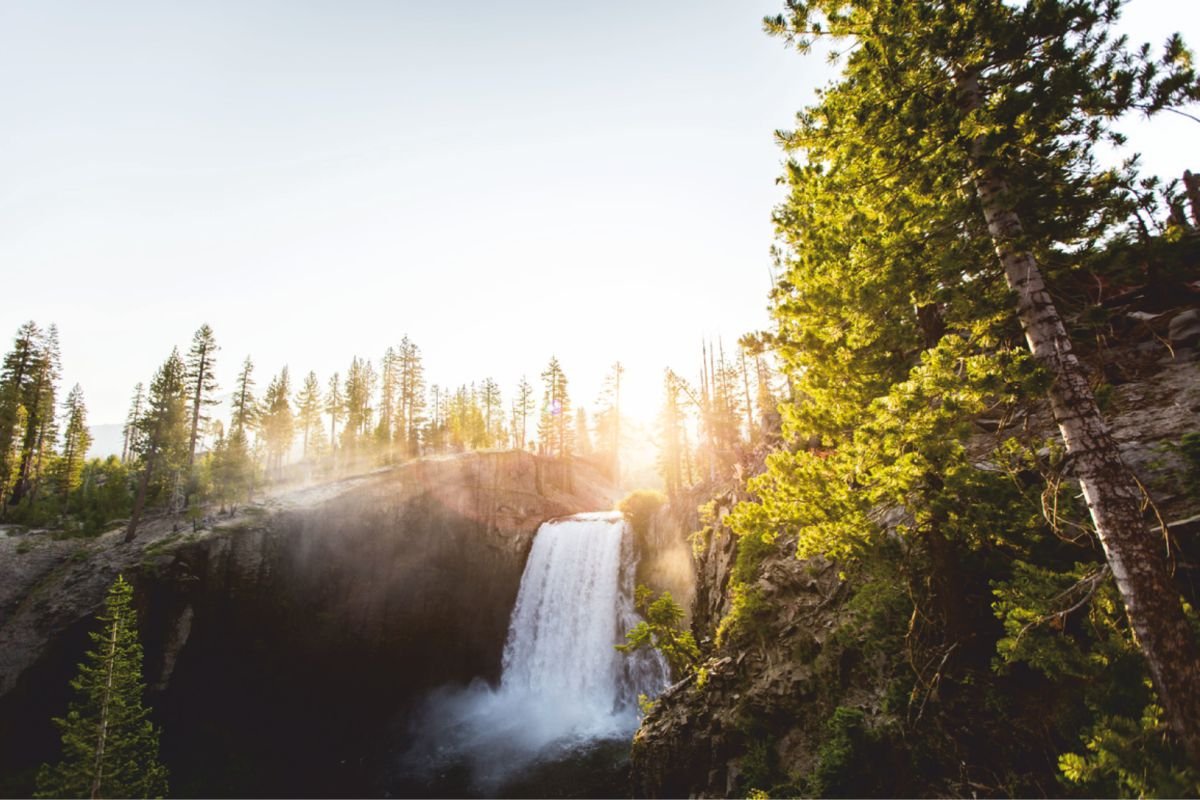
(1136, 556)
(196, 400)
(1191, 188)
(102, 734)
(140, 501)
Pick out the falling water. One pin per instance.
(564, 687)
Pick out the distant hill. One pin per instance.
(107, 440)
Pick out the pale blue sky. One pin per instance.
(502, 181)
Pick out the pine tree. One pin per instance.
(308, 408)
(525, 406)
(163, 437)
(19, 364)
(672, 453)
(76, 441)
(434, 437)
(978, 122)
(412, 396)
(492, 407)
(201, 381)
(358, 411)
(608, 418)
(110, 746)
(245, 407)
(554, 428)
(335, 407)
(37, 398)
(276, 422)
(385, 431)
(233, 470)
(129, 432)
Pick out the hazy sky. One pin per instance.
(500, 181)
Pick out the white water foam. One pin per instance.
(563, 685)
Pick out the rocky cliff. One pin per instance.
(808, 691)
(283, 642)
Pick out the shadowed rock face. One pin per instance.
(282, 645)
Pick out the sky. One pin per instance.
(502, 182)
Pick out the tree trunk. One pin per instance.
(102, 733)
(1191, 188)
(140, 501)
(196, 398)
(1136, 556)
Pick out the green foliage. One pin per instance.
(1070, 626)
(103, 494)
(110, 747)
(747, 614)
(554, 426)
(661, 629)
(758, 767)
(846, 756)
(747, 611)
(1035, 607)
(896, 329)
(639, 507)
(1127, 757)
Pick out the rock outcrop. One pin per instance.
(281, 642)
(761, 705)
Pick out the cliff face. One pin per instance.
(765, 703)
(281, 643)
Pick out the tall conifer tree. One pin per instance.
(245, 407)
(130, 431)
(201, 381)
(308, 408)
(15, 375)
(555, 428)
(76, 441)
(110, 746)
(163, 437)
(978, 122)
(525, 406)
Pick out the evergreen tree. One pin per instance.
(308, 408)
(245, 407)
(201, 381)
(103, 494)
(129, 432)
(15, 376)
(232, 470)
(110, 746)
(358, 411)
(672, 452)
(335, 407)
(276, 422)
(492, 407)
(37, 398)
(525, 406)
(388, 385)
(554, 428)
(435, 437)
(76, 441)
(955, 130)
(412, 396)
(163, 437)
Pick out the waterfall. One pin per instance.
(563, 686)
